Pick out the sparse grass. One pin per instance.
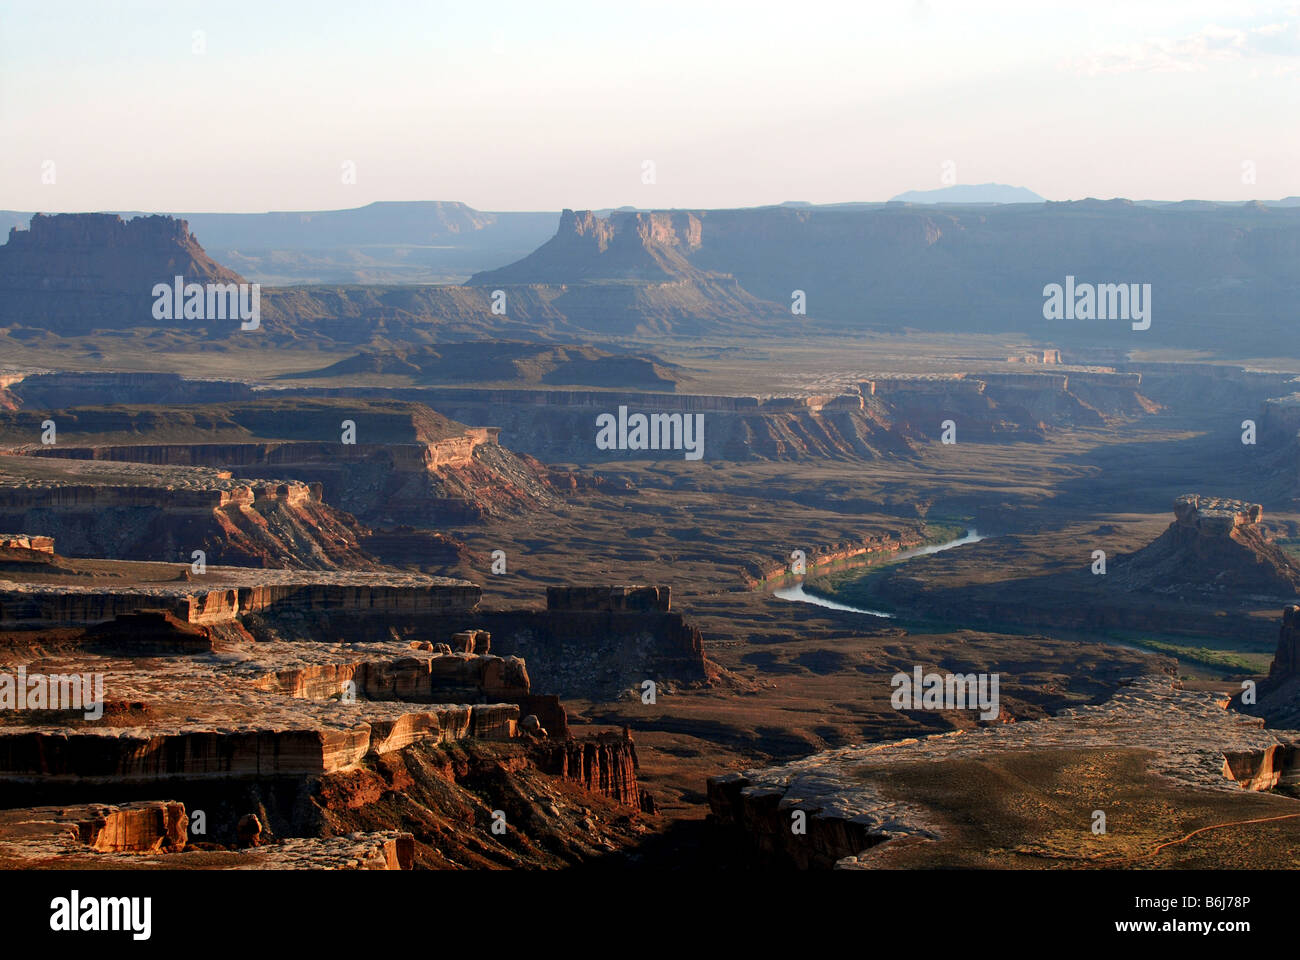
(1236, 661)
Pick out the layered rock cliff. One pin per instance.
(384, 461)
(131, 511)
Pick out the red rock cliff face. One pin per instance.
(605, 764)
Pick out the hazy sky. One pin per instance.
(248, 106)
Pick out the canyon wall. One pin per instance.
(100, 755)
(605, 764)
(168, 517)
(597, 643)
(443, 480)
(294, 593)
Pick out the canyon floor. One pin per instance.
(792, 681)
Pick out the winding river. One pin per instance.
(797, 593)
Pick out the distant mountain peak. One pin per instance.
(971, 193)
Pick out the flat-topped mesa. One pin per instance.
(53, 391)
(1215, 551)
(613, 599)
(643, 246)
(1215, 516)
(100, 230)
(75, 273)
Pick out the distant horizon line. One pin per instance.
(628, 208)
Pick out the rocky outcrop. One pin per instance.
(150, 834)
(1215, 557)
(560, 425)
(596, 654)
(996, 261)
(27, 542)
(23, 550)
(1279, 434)
(283, 737)
(387, 481)
(1281, 418)
(827, 555)
(994, 406)
(450, 797)
(140, 827)
(854, 807)
(406, 546)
